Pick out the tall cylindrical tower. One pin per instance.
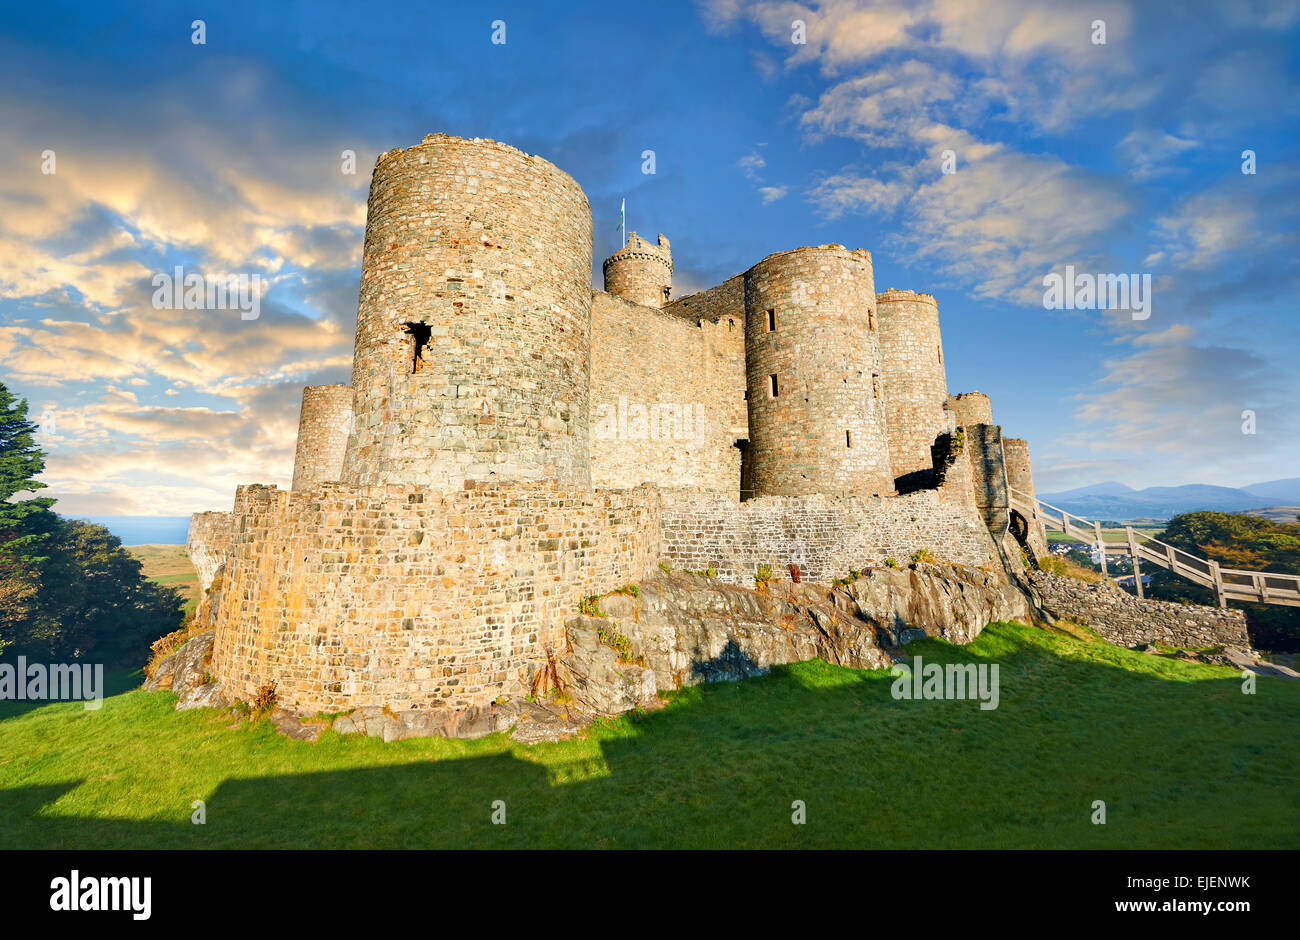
(1015, 454)
(812, 353)
(323, 427)
(916, 387)
(473, 338)
(971, 408)
(1020, 477)
(641, 272)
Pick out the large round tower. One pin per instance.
(474, 324)
(323, 427)
(641, 272)
(812, 352)
(916, 387)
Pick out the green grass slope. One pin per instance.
(1180, 756)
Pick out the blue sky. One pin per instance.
(225, 157)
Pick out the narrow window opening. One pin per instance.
(848, 438)
(731, 326)
(420, 334)
(771, 381)
(875, 385)
(771, 321)
(871, 320)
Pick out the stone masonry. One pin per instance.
(514, 441)
(323, 427)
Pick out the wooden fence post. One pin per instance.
(1133, 554)
(1218, 582)
(1101, 547)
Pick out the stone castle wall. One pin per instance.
(323, 427)
(725, 300)
(667, 396)
(1121, 618)
(640, 272)
(810, 329)
(368, 596)
(916, 386)
(487, 250)
(824, 535)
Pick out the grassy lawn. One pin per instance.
(168, 564)
(1180, 756)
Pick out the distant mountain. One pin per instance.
(1276, 491)
(1115, 501)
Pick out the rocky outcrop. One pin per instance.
(682, 628)
(952, 602)
(185, 672)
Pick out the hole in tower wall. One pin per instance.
(420, 334)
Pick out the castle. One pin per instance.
(513, 441)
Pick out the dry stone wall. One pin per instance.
(824, 535)
(1123, 619)
(474, 323)
(667, 394)
(399, 596)
(323, 426)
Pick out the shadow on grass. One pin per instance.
(1178, 764)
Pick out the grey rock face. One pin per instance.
(684, 628)
(185, 672)
(951, 602)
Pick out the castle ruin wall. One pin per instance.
(824, 535)
(667, 398)
(347, 597)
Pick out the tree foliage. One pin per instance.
(68, 589)
(1236, 540)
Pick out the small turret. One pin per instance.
(641, 272)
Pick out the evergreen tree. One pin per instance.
(25, 524)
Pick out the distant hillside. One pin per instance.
(1113, 500)
(1284, 514)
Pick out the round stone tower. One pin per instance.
(641, 272)
(473, 337)
(916, 387)
(971, 408)
(1015, 454)
(813, 375)
(323, 427)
